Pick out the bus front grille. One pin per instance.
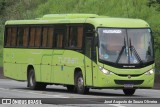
(134, 82)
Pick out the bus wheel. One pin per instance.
(129, 92)
(42, 86)
(80, 88)
(71, 88)
(32, 82)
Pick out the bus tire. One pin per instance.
(129, 92)
(79, 84)
(32, 84)
(71, 88)
(42, 86)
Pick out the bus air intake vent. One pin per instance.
(134, 82)
(126, 75)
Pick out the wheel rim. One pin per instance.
(80, 83)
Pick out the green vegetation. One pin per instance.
(148, 10)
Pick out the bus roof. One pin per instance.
(96, 20)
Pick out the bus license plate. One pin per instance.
(128, 85)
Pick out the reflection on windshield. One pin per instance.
(125, 46)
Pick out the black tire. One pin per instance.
(129, 92)
(79, 84)
(42, 86)
(71, 88)
(32, 84)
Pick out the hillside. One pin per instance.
(148, 10)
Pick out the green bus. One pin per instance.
(80, 51)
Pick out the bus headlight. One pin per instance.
(107, 72)
(150, 72)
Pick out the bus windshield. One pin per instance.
(125, 46)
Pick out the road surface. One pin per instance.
(61, 97)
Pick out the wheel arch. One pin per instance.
(76, 71)
(29, 67)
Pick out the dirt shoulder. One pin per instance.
(156, 85)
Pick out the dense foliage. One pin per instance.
(148, 10)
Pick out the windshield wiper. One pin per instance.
(121, 52)
(134, 50)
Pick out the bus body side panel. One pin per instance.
(72, 60)
(17, 60)
(95, 74)
(50, 66)
(34, 59)
(12, 68)
(64, 63)
(58, 74)
(89, 71)
(46, 66)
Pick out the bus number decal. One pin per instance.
(112, 31)
(68, 60)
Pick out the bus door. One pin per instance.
(58, 71)
(88, 61)
(46, 63)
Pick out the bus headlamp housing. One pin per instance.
(107, 72)
(150, 72)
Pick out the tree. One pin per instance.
(158, 1)
(154, 3)
(2, 5)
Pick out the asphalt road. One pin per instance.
(60, 96)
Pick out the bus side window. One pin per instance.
(20, 36)
(47, 37)
(35, 37)
(74, 37)
(59, 39)
(25, 36)
(79, 37)
(32, 36)
(38, 37)
(44, 37)
(8, 36)
(13, 36)
(50, 37)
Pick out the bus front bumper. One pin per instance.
(115, 81)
